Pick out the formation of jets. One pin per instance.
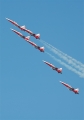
(41, 49)
(37, 36)
(28, 40)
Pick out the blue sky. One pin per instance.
(30, 90)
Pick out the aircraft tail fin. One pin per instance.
(37, 36)
(77, 91)
(42, 49)
(61, 70)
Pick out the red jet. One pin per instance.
(37, 36)
(36, 46)
(18, 33)
(76, 91)
(14, 23)
(59, 70)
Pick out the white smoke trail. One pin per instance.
(67, 66)
(65, 57)
(64, 54)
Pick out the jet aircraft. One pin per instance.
(36, 46)
(18, 33)
(76, 91)
(59, 70)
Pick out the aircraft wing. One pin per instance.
(68, 86)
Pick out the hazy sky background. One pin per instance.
(30, 90)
